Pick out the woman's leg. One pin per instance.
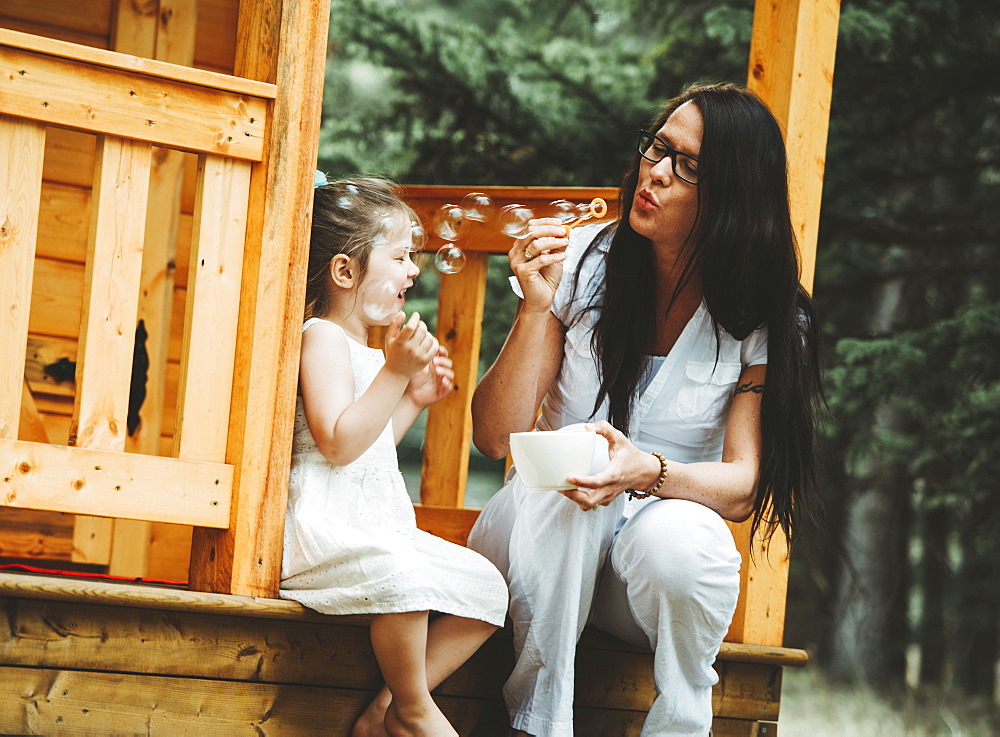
(673, 579)
(451, 641)
(550, 551)
(400, 645)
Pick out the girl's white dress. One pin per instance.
(351, 542)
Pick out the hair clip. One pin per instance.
(320, 179)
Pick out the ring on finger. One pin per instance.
(528, 255)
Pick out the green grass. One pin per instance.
(813, 707)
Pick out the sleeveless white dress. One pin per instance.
(351, 543)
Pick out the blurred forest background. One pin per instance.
(894, 588)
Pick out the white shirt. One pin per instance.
(683, 410)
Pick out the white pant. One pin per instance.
(666, 577)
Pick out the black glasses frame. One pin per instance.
(646, 140)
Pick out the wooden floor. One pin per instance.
(107, 658)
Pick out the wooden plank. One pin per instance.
(64, 220)
(486, 237)
(30, 426)
(446, 522)
(282, 42)
(127, 63)
(113, 484)
(157, 110)
(69, 157)
(747, 691)
(743, 728)
(169, 551)
(111, 286)
(209, 646)
(215, 43)
(92, 17)
(163, 30)
(212, 312)
(445, 467)
(20, 192)
(43, 701)
(31, 533)
(44, 351)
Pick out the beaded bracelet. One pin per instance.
(633, 494)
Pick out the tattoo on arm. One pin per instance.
(749, 387)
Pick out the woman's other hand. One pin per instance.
(628, 468)
(536, 260)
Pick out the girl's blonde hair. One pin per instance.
(350, 216)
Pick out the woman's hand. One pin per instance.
(628, 468)
(433, 382)
(410, 347)
(536, 260)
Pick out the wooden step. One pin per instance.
(95, 654)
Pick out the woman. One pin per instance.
(659, 330)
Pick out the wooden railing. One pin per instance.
(131, 104)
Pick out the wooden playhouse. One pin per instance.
(156, 166)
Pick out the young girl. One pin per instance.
(351, 541)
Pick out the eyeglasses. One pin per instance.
(654, 149)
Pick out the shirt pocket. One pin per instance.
(705, 392)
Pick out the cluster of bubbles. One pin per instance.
(451, 223)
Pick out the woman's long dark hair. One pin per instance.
(743, 249)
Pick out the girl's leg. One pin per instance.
(451, 640)
(400, 644)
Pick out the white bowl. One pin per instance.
(545, 458)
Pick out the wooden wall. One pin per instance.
(45, 537)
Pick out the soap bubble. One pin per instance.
(477, 206)
(566, 212)
(450, 222)
(450, 259)
(514, 219)
(417, 236)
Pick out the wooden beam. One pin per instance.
(128, 63)
(105, 483)
(163, 30)
(20, 194)
(107, 327)
(283, 43)
(449, 422)
(31, 427)
(155, 109)
(792, 54)
(213, 296)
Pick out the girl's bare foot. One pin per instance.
(372, 722)
(421, 720)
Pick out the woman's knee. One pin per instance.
(679, 548)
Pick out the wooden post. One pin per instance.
(445, 467)
(282, 42)
(165, 31)
(791, 68)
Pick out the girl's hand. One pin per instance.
(628, 468)
(536, 260)
(433, 382)
(410, 347)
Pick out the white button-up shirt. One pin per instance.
(682, 411)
